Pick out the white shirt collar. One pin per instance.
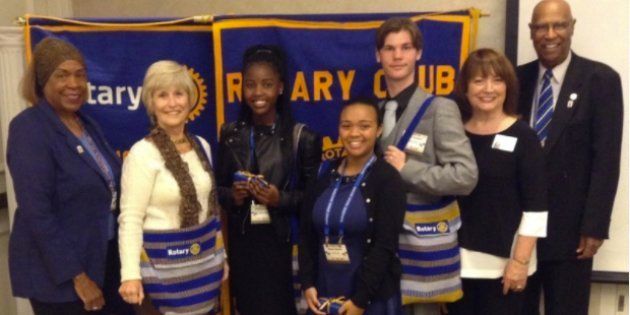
(558, 71)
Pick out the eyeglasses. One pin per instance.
(541, 28)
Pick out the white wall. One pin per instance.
(11, 9)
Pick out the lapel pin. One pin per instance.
(80, 149)
(572, 98)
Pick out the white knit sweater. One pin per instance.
(150, 199)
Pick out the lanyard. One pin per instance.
(402, 143)
(346, 205)
(252, 148)
(100, 160)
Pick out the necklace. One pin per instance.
(180, 141)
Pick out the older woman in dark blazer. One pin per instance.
(62, 250)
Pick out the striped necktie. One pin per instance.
(544, 110)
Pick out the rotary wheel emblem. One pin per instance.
(200, 96)
(195, 249)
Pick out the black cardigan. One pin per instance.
(379, 274)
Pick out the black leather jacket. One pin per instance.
(275, 160)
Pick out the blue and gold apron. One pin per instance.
(182, 268)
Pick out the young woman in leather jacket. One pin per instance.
(267, 142)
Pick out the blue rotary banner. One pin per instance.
(117, 56)
(330, 59)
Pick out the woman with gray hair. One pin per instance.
(170, 234)
(62, 250)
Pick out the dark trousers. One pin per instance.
(485, 297)
(114, 304)
(146, 308)
(260, 270)
(566, 285)
(66, 308)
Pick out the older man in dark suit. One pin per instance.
(575, 106)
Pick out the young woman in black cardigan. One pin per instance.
(350, 223)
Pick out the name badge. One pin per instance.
(336, 253)
(259, 214)
(112, 205)
(504, 143)
(417, 143)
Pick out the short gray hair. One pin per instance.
(164, 74)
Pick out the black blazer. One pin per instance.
(61, 222)
(582, 153)
(379, 274)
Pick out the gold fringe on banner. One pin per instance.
(197, 19)
(475, 14)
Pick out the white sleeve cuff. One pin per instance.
(533, 224)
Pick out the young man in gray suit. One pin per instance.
(423, 137)
(576, 107)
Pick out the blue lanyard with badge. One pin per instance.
(259, 214)
(107, 171)
(338, 253)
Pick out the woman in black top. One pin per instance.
(506, 213)
(262, 142)
(357, 205)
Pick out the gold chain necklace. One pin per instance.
(180, 141)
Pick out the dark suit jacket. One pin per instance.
(582, 153)
(63, 206)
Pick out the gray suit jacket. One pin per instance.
(447, 166)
